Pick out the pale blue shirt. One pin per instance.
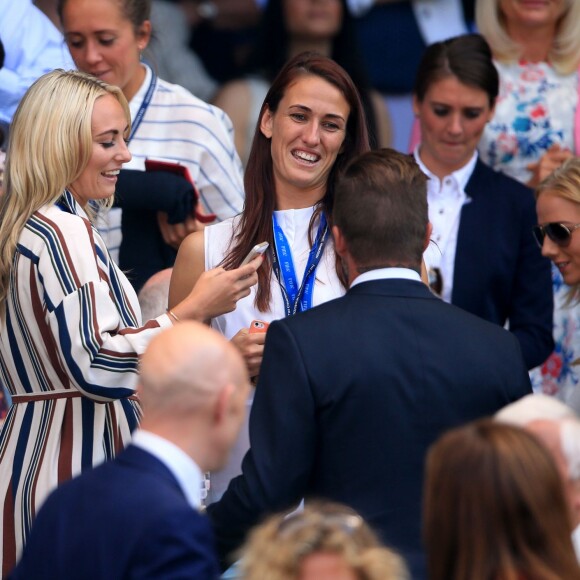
(181, 465)
(386, 274)
(33, 46)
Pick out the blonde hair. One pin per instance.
(276, 549)
(49, 146)
(565, 51)
(564, 182)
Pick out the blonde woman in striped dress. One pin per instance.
(70, 325)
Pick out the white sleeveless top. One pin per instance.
(295, 224)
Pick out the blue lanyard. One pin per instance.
(296, 298)
(144, 104)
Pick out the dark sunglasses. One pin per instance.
(559, 233)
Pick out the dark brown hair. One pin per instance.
(380, 207)
(495, 508)
(467, 57)
(136, 11)
(256, 220)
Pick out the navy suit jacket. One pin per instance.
(350, 396)
(500, 273)
(127, 518)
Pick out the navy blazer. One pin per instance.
(500, 273)
(127, 518)
(350, 396)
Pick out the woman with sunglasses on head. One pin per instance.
(482, 253)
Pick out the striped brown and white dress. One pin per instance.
(69, 345)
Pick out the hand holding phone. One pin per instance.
(258, 326)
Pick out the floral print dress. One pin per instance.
(535, 110)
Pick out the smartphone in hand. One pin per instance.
(256, 251)
(258, 326)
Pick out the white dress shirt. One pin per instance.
(386, 274)
(446, 198)
(181, 465)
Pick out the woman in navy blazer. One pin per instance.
(483, 257)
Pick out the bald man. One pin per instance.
(558, 427)
(138, 515)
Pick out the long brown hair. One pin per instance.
(255, 224)
(495, 508)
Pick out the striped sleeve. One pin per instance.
(88, 315)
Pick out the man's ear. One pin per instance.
(339, 241)
(266, 123)
(222, 404)
(428, 233)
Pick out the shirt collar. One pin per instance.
(386, 274)
(181, 465)
(461, 175)
(68, 203)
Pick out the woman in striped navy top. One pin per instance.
(70, 325)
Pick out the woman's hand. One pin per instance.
(251, 345)
(550, 160)
(217, 291)
(174, 234)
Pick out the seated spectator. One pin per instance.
(138, 516)
(289, 27)
(325, 540)
(495, 508)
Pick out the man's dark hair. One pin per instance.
(380, 207)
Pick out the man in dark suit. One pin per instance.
(138, 515)
(352, 393)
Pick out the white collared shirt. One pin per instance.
(446, 198)
(576, 542)
(181, 465)
(386, 274)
